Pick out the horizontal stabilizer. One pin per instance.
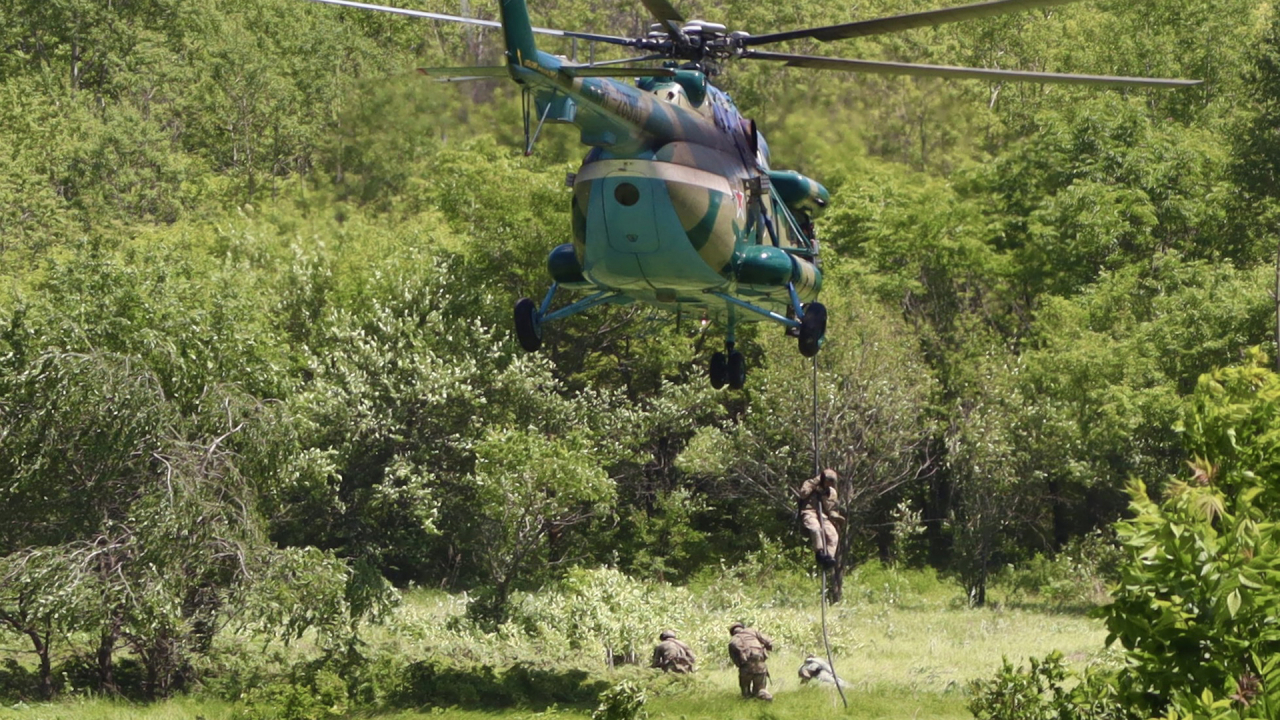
(593, 71)
(462, 74)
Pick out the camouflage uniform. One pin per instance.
(749, 649)
(817, 497)
(671, 655)
(818, 670)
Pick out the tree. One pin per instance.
(873, 423)
(528, 488)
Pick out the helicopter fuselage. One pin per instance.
(674, 205)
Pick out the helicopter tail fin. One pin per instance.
(517, 32)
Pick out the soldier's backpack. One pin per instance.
(745, 648)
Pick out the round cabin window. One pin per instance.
(626, 194)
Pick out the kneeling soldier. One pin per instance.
(671, 655)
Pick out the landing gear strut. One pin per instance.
(530, 318)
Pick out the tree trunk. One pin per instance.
(937, 506)
(106, 668)
(41, 646)
(1061, 521)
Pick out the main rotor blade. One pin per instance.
(895, 68)
(664, 11)
(898, 23)
(477, 21)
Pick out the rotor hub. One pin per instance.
(702, 43)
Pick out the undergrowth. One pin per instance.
(898, 633)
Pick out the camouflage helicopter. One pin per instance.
(675, 204)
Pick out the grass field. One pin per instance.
(904, 641)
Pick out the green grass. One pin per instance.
(84, 709)
(903, 640)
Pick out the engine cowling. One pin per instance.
(766, 268)
(802, 195)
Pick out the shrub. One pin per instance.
(1047, 690)
(17, 683)
(624, 701)
(1076, 576)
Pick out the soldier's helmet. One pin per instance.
(734, 627)
(666, 635)
(829, 475)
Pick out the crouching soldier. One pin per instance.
(671, 655)
(818, 670)
(817, 510)
(749, 649)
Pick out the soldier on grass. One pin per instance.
(672, 655)
(749, 649)
(819, 671)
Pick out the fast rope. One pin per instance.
(817, 468)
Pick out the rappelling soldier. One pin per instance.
(671, 655)
(817, 510)
(749, 649)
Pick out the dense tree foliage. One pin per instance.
(1195, 606)
(256, 276)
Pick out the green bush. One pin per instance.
(1047, 690)
(624, 701)
(431, 683)
(17, 683)
(1077, 576)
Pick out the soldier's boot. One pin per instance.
(765, 695)
(825, 560)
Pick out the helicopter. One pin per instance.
(675, 204)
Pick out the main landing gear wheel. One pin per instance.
(528, 330)
(718, 370)
(737, 370)
(813, 326)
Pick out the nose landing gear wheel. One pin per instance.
(737, 370)
(718, 370)
(813, 326)
(528, 330)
